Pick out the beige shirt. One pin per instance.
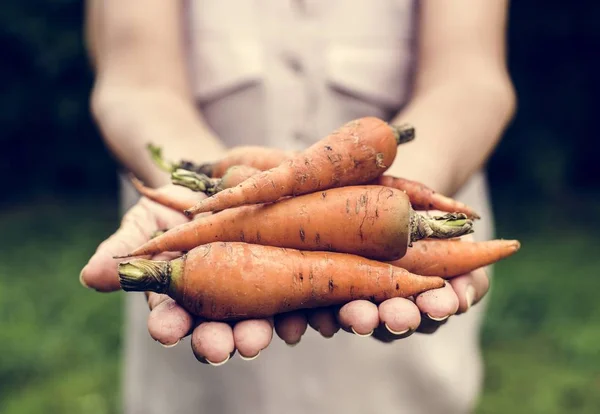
(284, 74)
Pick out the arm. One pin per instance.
(142, 95)
(142, 92)
(463, 100)
(463, 97)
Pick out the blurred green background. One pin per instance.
(60, 344)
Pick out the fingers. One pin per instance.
(436, 306)
(291, 326)
(470, 288)
(399, 316)
(324, 321)
(216, 342)
(213, 342)
(168, 322)
(252, 336)
(100, 273)
(136, 227)
(359, 316)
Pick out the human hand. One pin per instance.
(394, 318)
(168, 323)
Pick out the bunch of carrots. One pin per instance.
(273, 231)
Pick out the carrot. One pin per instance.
(262, 158)
(371, 221)
(450, 258)
(421, 196)
(228, 281)
(424, 198)
(162, 196)
(357, 153)
(203, 183)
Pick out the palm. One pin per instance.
(216, 342)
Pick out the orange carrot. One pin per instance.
(229, 281)
(423, 197)
(370, 221)
(203, 183)
(450, 258)
(261, 158)
(164, 197)
(357, 153)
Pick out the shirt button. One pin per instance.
(294, 63)
(300, 5)
(299, 137)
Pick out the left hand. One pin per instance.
(393, 319)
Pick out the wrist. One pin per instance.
(132, 118)
(458, 124)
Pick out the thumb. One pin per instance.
(137, 226)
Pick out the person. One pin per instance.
(200, 77)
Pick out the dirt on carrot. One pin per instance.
(424, 198)
(356, 153)
(230, 281)
(370, 221)
(451, 258)
(163, 195)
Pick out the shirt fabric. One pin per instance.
(285, 74)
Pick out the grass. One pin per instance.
(60, 344)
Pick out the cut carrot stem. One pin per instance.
(448, 226)
(194, 181)
(157, 157)
(229, 281)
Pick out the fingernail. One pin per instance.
(291, 345)
(249, 358)
(216, 364)
(395, 332)
(171, 345)
(470, 295)
(81, 278)
(362, 335)
(443, 318)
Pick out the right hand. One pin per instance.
(168, 323)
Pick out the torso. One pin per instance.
(284, 74)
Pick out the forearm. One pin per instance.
(130, 119)
(458, 124)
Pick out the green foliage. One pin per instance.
(60, 343)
